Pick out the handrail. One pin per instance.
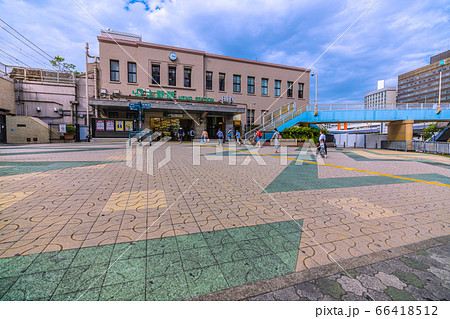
(273, 117)
(270, 122)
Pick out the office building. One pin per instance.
(422, 85)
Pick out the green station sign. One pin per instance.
(169, 95)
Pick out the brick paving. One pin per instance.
(77, 223)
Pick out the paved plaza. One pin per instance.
(100, 221)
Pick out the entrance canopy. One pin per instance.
(170, 106)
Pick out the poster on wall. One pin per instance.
(100, 125)
(110, 125)
(119, 125)
(128, 125)
(62, 128)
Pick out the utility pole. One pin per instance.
(87, 94)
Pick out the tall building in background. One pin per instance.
(422, 85)
(379, 98)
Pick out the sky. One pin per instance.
(350, 44)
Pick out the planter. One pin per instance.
(69, 136)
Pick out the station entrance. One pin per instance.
(169, 126)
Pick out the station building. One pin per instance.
(188, 88)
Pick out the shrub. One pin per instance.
(70, 129)
(302, 132)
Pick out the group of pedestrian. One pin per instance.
(180, 134)
(257, 137)
(221, 137)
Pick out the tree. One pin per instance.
(431, 130)
(58, 62)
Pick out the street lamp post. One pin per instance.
(316, 111)
(439, 95)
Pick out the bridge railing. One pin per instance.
(390, 106)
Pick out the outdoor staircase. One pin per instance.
(275, 119)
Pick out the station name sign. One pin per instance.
(169, 95)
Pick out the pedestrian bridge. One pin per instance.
(289, 115)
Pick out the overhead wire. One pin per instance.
(22, 52)
(15, 58)
(26, 38)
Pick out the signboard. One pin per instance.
(442, 62)
(100, 125)
(128, 125)
(110, 125)
(62, 128)
(168, 95)
(119, 126)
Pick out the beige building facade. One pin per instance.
(188, 88)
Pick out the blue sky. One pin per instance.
(393, 37)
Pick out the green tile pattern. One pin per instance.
(299, 176)
(172, 268)
(17, 168)
(62, 151)
(360, 158)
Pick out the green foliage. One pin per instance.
(58, 62)
(430, 130)
(302, 132)
(70, 129)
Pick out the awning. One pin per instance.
(163, 105)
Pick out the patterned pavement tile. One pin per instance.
(75, 209)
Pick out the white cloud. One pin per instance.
(392, 38)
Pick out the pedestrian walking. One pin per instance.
(276, 137)
(238, 137)
(258, 136)
(180, 134)
(323, 139)
(230, 134)
(192, 134)
(204, 137)
(220, 136)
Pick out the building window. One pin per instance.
(251, 85)
(264, 86)
(300, 90)
(221, 81)
(156, 74)
(187, 77)
(114, 70)
(209, 76)
(277, 87)
(131, 115)
(172, 75)
(250, 117)
(113, 115)
(132, 72)
(289, 88)
(236, 83)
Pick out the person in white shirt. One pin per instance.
(324, 139)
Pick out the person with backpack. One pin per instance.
(238, 137)
(323, 139)
(192, 134)
(180, 134)
(230, 133)
(220, 136)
